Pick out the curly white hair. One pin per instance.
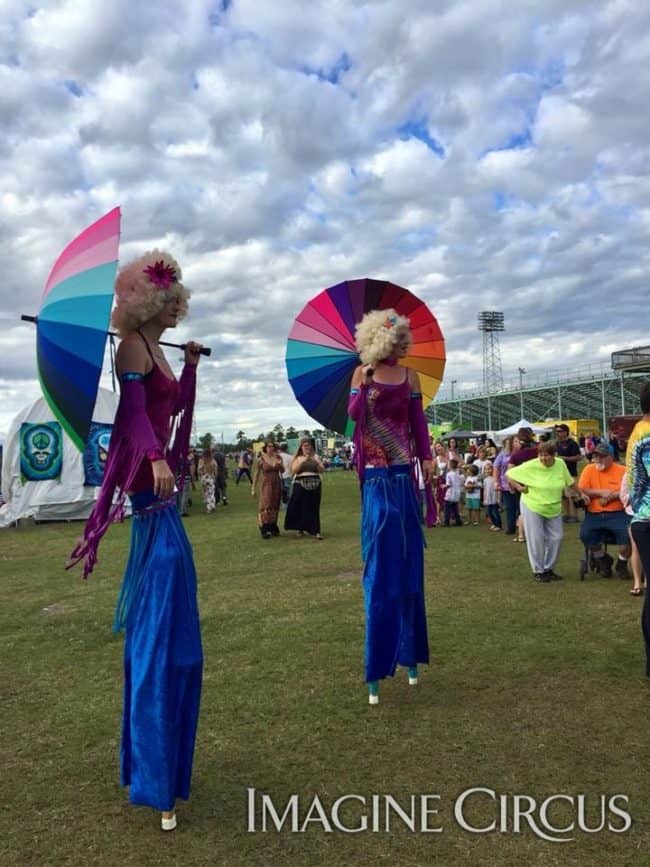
(378, 333)
(138, 298)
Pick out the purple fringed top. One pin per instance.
(153, 420)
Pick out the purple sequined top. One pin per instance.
(386, 434)
(390, 426)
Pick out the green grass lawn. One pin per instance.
(532, 689)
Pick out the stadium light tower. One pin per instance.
(491, 322)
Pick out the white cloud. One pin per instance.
(278, 148)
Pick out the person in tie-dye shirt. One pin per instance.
(638, 482)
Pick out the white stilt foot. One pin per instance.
(168, 824)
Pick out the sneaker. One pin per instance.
(542, 577)
(604, 565)
(621, 568)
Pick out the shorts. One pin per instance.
(596, 526)
(473, 501)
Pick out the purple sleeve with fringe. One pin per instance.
(183, 412)
(132, 440)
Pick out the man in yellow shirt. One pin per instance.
(605, 517)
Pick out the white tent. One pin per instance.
(512, 430)
(62, 499)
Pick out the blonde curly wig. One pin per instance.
(138, 297)
(378, 333)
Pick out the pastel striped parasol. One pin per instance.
(72, 324)
(321, 355)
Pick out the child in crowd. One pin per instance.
(453, 488)
(473, 484)
(440, 489)
(491, 498)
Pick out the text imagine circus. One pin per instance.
(425, 814)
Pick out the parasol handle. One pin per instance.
(205, 350)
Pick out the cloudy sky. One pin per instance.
(484, 154)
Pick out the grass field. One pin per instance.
(533, 689)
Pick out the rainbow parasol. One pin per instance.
(72, 324)
(321, 355)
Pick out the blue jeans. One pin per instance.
(494, 515)
(452, 514)
(598, 525)
(510, 502)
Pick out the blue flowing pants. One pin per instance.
(393, 576)
(163, 659)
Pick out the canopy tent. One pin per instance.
(458, 434)
(512, 430)
(61, 498)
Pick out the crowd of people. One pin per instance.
(526, 488)
(529, 490)
(472, 485)
(277, 478)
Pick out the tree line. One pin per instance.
(279, 434)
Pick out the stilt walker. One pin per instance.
(157, 605)
(391, 430)
(379, 402)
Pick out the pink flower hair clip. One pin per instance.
(390, 322)
(162, 276)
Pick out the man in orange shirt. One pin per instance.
(606, 517)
